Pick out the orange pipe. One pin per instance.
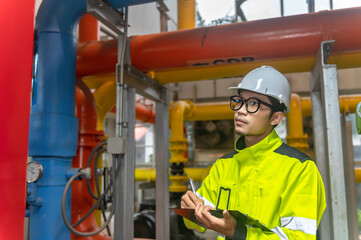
(254, 41)
(88, 29)
(142, 113)
(89, 137)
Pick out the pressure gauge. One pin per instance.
(34, 172)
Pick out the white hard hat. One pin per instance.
(268, 81)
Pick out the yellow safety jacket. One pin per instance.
(272, 182)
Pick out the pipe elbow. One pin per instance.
(60, 16)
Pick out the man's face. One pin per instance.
(253, 124)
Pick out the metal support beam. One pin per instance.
(162, 157)
(144, 85)
(239, 11)
(346, 129)
(163, 9)
(311, 6)
(105, 13)
(125, 179)
(328, 143)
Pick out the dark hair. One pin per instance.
(278, 106)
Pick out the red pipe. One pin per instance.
(142, 113)
(88, 29)
(17, 31)
(89, 137)
(292, 36)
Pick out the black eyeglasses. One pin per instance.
(252, 104)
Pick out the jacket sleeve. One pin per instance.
(207, 192)
(302, 205)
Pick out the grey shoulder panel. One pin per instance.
(229, 155)
(292, 152)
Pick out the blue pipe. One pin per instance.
(53, 136)
(123, 3)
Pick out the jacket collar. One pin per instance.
(269, 143)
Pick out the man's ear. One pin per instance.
(276, 118)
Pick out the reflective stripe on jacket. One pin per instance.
(272, 182)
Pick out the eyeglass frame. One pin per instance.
(246, 101)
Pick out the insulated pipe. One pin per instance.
(89, 138)
(186, 14)
(288, 43)
(284, 65)
(53, 125)
(293, 36)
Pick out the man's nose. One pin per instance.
(243, 109)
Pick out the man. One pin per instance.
(264, 178)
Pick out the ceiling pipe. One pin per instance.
(289, 43)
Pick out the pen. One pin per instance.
(192, 185)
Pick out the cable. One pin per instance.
(97, 184)
(114, 173)
(63, 213)
(93, 207)
(88, 165)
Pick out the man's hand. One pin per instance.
(225, 225)
(189, 200)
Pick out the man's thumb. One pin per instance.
(226, 214)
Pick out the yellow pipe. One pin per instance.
(105, 97)
(149, 174)
(204, 112)
(178, 143)
(295, 136)
(186, 14)
(348, 104)
(93, 82)
(285, 65)
(358, 175)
